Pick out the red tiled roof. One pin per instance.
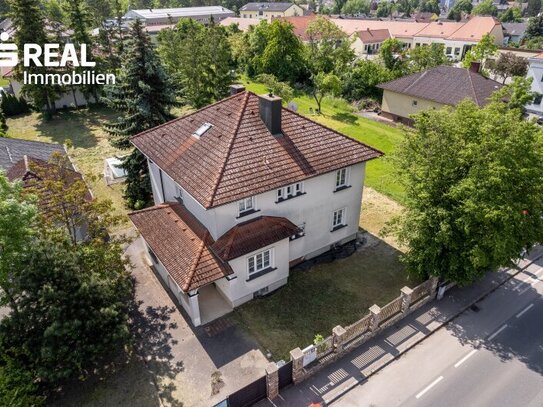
(238, 157)
(445, 84)
(300, 24)
(372, 36)
(252, 235)
(28, 170)
(181, 243)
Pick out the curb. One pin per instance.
(359, 381)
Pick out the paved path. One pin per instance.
(335, 380)
(183, 358)
(488, 357)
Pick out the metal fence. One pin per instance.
(360, 327)
(248, 395)
(325, 347)
(420, 292)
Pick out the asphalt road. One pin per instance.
(490, 356)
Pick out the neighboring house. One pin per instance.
(26, 161)
(242, 23)
(434, 89)
(243, 190)
(268, 11)
(368, 42)
(65, 100)
(162, 17)
(514, 32)
(535, 72)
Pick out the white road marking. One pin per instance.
(497, 332)
(436, 381)
(521, 313)
(465, 358)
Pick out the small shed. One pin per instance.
(113, 173)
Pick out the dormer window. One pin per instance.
(202, 130)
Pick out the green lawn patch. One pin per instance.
(339, 116)
(315, 301)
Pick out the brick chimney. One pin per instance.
(236, 88)
(270, 112)
(475, 67)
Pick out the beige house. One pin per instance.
(367, 42)
(267, 11)
(434, 89)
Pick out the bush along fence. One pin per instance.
(310, 360)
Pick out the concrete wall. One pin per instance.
(398, 105)
(239, 290)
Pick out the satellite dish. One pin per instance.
(292, 106)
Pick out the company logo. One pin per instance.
(52, 55)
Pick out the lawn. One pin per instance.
(339, 116)
(84, 129)
(315, 301)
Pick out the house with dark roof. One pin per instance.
(269, 10)
(244, 189)
(434, 89)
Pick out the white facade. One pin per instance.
(535, 71)
(315, 208)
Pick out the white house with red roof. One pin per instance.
(244, 189)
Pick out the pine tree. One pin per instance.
(3, 124)
(28, 19)
(143, 95)
(79, 21)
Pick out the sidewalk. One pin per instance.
(335, 380)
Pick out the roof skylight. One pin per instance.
(202, 129)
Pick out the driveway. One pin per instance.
(192, 366)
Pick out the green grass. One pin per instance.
(380, 172)
(315, 301)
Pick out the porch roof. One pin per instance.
(181, 243)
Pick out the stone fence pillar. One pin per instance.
(375, 312)
(297, 357)
(406, 298)
(272, 381)
(432, 290)
(338, 338)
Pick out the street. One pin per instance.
(492, 355)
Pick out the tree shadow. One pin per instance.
(345, 117)
(153, 344)
(79, 126)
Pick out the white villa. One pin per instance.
(244, 189)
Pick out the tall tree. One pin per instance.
(485, 8)
(28, 20)
(392, 54)
(426, 57)
(199, 59)
(362, 80)
(329, 49)
(143, 95)
(509, 65)
(481, 52)
(355, 7)
(473, 181)
(460, 8)
(325, 84)
(534, 29)
(283, 54)
(511, 15)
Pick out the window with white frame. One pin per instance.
(258, 262)
(341, 178)
(246, 205)
(338, 218)
(290, 191)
